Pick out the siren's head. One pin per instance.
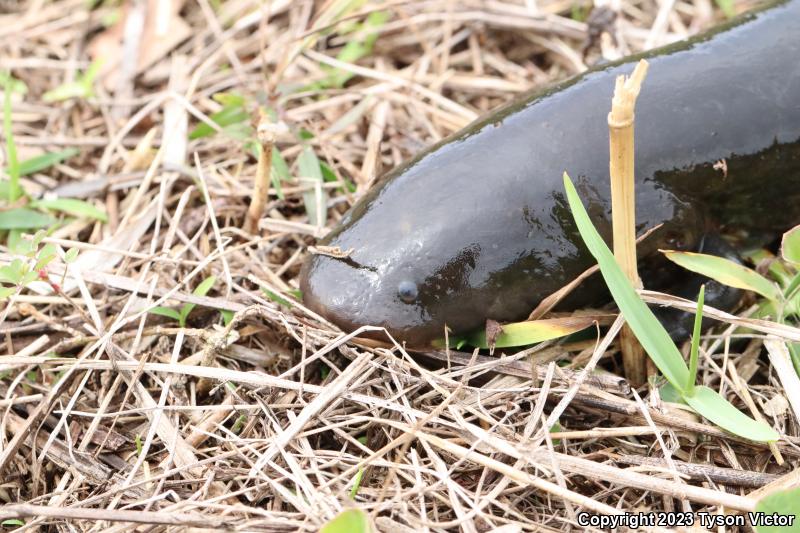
(398, 273)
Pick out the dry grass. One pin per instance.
(112, 418)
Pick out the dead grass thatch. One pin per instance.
(112, 418)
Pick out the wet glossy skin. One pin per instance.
(476, 227)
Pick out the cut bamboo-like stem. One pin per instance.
(258, 203)
(621, 145)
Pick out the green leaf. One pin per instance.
(309, 167)
(227, 316)
(359, 46)
(531, 332)
(201, 290)
(279, 165)
(205, 286)
(238, 424)
(670, 394)
(556, 428)
(297, 293)
(166, 311)
(349, 521)
(694, 354)
(241, 131)
(13, 272)
(45, 256)
(14, 85)
(651, 334)
(14, 190)
(9, 275)
(277, 298)
(83, 87)
(138, 441)
(785, 502)
(227, 116)
(23, 218)
(17, 245)
(65, 91)
(47, 160)
(230, 99)
(718, 410)
(726, 272)
(71, 255)
(790, 245)
(38, 237)
(28, 277)
(794, 353)
(72, 206)
(280, 172)
(356, 483)
(90, 74)
(577, 12)
(13, 522)
(779, 271)
(6, 292)
(328, 175)
(792, 287)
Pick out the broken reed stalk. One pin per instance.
(266, 137)
(620, 128)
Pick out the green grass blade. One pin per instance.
(47, 160)
(355, 49)
(717, 409)
(227, 116)
(309, 167)
(90, 75)
(15, 85)
(165, 311)
(651, 334)
(531, 332)
(790, 245)
(280, 172)
(356, 484)
(201, 290)
(83, 87)
(726, 272)
(14, 191)
(695, 353)
(277, 298)
(72, 206)
(792, 287)
(66, 91)
(349, 521)
(794, 353)
(23, 218)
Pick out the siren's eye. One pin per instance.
(407, 291)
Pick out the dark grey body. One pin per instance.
(478, 226)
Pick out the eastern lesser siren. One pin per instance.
(477, 227)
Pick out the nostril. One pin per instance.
(407, 291)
